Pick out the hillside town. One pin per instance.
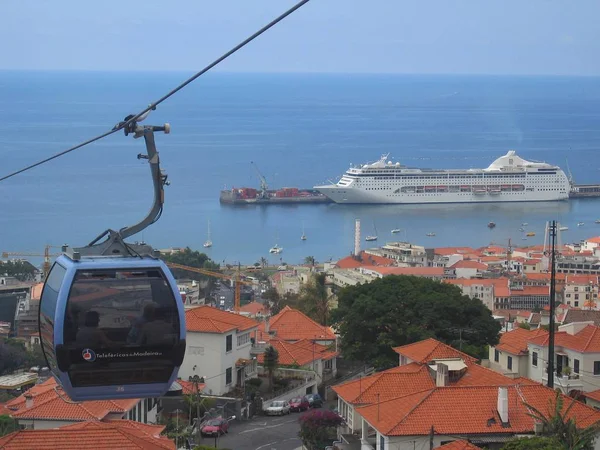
(273, 355)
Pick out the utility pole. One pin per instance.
(552, 231)
(431, 433)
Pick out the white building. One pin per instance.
(218, 349)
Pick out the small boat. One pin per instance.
(208, 242)
(276, 249)
(521, 229)
(374, 236)
(524, 224)
(524, 238)
(303, 237)
(396, 230)
(430, 234)
(580, 224)
(531, 233)
(563, 228)
(597, 221)
(491, 225)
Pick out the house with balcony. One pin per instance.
(291, 325)
(305, 355)
(423, 365)
(576, 357)
(46, 406)
(90, 435)
(511, 355)
(218, 349)
(488, 415)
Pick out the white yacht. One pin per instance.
(509, 178)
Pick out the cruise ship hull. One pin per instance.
(509, 178)
(355, 196)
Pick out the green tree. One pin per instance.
(532, 443)
(556, 425)
(192, 258)
(270, 363)
(7, 425)
(318, 428)
(524, 325)
(314, 299)
(310, 260)
(263, 262)
(20, 269)
(398, 310)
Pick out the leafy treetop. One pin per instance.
(398, 310)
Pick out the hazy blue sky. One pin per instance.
(405, 36)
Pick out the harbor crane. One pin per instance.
(263, 182)
(46, 255)
(235, 278)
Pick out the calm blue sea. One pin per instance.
(300, 130)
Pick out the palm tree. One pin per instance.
(555, 424)
(270, 362)
(309, 260)
(263, 262)
(314, 299)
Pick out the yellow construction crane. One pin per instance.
(46, 255)
(235, 278)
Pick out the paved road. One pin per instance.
(261, 433)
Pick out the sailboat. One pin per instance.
(276, 249)
(303, 237)
(396, 230)
(374, 236)
(208, 242)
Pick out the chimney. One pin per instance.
(267, 326)
(442, 378)
(357, 238)
(28, 401)
(503, 404)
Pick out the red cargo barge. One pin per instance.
(286, 195)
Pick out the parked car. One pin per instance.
(278, 408)
(299, 404)
(215, 427)
(314, 400)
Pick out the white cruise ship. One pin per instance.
(508, 179)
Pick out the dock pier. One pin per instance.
(585, 191)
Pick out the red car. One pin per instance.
(299, 404)
(215, 427)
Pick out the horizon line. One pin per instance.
(226, 72)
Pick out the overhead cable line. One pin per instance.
(133, 118)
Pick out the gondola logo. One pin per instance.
(88, 354)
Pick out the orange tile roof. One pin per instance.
(515, 341)
(301, 353)
(189, 388)
(254, 308)
(121, 434)
(594, 395)
(468, 264)
(532, 262)
(492, 249)
(51, 403)
(414, 271)
(594, 240)
(459, 445)
(293, 325)
(415, 414)
(430, 349)
(391, 383)
(530, 290)
(365, 260)
(544, 276)
(586, 341)
(206, 319)
(582, 279)
(447, 251)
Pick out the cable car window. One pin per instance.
(48, 310)
(119, 320)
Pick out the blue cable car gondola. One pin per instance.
(111, 319)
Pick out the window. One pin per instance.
(228, 373)
(496, 355)
(534, 359)
(381, 442)
(47, 311)
(509, 362)
(243, 339)
(229, 343)
(576, 365)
